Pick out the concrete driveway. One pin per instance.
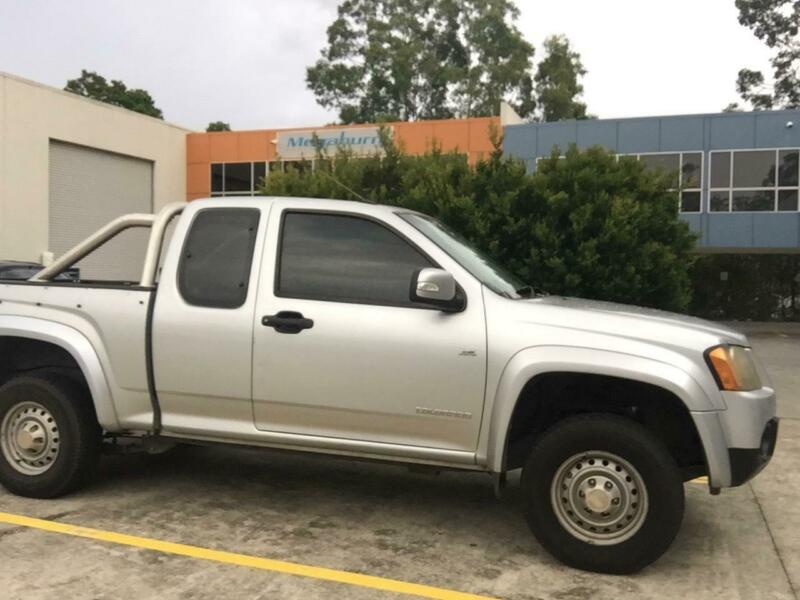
(446, 531)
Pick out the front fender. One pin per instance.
(537, 360)
(79, 348)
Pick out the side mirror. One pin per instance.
(436, 287)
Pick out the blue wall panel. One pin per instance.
(638, 135)
(732, 131)
(771, 131)
(556, 134)
(776, 230)
(597, 133)
(519, 141)
(682, 133)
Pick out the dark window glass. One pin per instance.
(301, 166)
(216, 178)
(787, 199)
(691, 169)
(719, 201)
(720, 169)
(754, 168)
(690, 201)
(217, 255)
(237, 177)
(667, 163)
(259, 172)
(756, 201)
(345, 259)
(788, 168)
(275, 165)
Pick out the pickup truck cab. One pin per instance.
(375, 332)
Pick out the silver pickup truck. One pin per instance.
(377, 333)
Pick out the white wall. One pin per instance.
(31, 115)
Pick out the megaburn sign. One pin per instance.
(361, 141)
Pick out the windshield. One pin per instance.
(482, 267)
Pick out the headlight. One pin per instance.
(733, 368)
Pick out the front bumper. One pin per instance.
(739, 440)
(746, 463)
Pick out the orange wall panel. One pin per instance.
(452, 135)
(198, 178)
(415, 138)
(197, 148)
(252, 145)
(480, 136)
(224, 146)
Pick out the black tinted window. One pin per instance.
(217, 254)
(346, 259)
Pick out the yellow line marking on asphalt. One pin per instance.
(242, 560)
(703, 480)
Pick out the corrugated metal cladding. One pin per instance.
(89, 188)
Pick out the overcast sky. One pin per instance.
(243, 61)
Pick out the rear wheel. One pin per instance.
(603, 494)
(49, 436)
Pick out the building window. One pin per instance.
(301, 166)
(685, 169)
(237, 179)
(755, 180)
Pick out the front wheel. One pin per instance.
(603, 494)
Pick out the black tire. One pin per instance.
(629, 441)
(74, 423)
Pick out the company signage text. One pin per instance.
(361, 141)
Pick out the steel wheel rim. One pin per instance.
(29, 438)
(599, 497)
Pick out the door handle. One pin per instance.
(287, 321)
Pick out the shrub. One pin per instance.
(584, 224)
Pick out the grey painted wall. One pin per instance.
(761, 231)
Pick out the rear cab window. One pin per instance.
(217, 256)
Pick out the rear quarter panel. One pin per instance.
(111, 320)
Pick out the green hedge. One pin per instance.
(757, 287)
(584, 224)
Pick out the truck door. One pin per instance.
(203, 319)
(372, 367)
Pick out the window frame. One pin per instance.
(253, 183)
(250, 257)
(369, 218)
(775, 189)
(679, 189)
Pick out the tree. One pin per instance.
(584, 224)
(557, 81)
(218, 126)
(423, 59)
(775, 22)
(92, 85)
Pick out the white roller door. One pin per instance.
(89, 188)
